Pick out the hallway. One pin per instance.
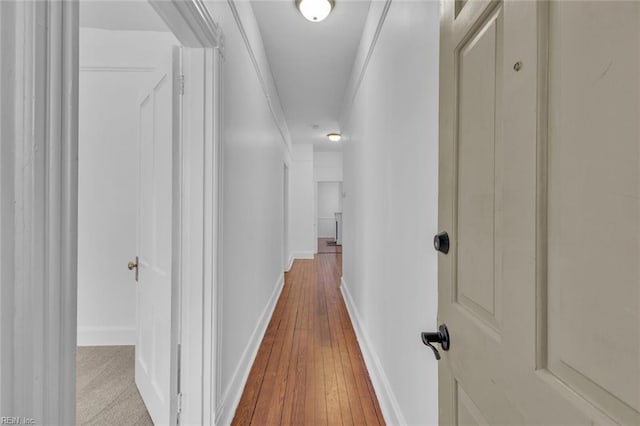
(309, 369)
(170, 168)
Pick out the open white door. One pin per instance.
(539, 190)
(153, 359)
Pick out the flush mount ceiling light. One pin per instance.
(315, 10)
(334, 137)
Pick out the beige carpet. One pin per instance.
(106, 392)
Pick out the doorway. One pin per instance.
(127, 116)
(328, 216)
(148, 179)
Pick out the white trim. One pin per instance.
(233, 393)
(388, 402)
(39, 277)
(212, 340)
(264, 76)
(327, 180)
(315, 217)
(302, 255)
(86, 68)
(106, 336)
(215, 384)
(197, 213)
(361, 63)
(191, 23)
(286, 214)
(177, 228)
(201, 175)
(193, 237)
(290, 262)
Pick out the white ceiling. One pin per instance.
(129, 15)
(311, 63)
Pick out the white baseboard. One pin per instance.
(388, 402)
(231, 397)
(290, 263)
(106, 336)
(303, 255)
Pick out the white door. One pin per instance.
(540, 196)
(153, 362)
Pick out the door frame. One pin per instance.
(38, 211)
(285, 221)
(198, 303)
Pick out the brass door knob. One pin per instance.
(134, 265)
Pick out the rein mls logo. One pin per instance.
(5, 420)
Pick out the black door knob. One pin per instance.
(441, 242)
(441, 336)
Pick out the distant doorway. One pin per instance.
(328, 210)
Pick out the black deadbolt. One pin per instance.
(441, 242)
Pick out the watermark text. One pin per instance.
(14, 420)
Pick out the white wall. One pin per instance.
(115, 67)
(327, 166)
(329, 200)
(255, 148)
(390, 209)
(303, 244)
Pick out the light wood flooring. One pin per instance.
(106, 391)
(309, 369)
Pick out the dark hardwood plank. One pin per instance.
(368, 402)
(325, 281)
(348, 372)
(320, 385)
(269, 370)
(248, 402)
(269, 405)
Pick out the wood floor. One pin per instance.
(106, 392)
(324, 247)
(309, 369)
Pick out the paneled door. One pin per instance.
(540, 196)
(157, 122)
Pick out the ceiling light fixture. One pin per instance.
(334, 137)
(315, 10)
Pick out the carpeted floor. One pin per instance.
(106, 391)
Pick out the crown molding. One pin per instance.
(361, 63)
(263, 74)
